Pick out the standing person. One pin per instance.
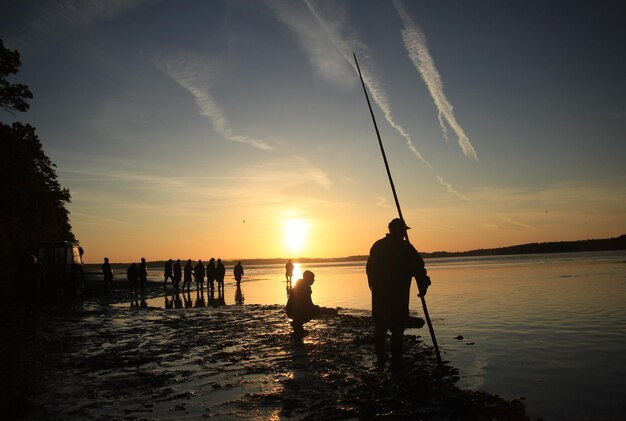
(30, 278)
(220, 272)
(198, 272)
(289, 271)
(187, 278)
(132, 274)
(300, 307)
(178, 274)
(107, 274)
(211, 275)
(238, 272)
(143, 275)
(391, 265)
(167, 273)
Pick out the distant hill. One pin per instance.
(617, 243)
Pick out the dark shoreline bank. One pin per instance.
(93, 360)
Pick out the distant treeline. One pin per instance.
(618, 243)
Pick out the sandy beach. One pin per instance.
(97, 359)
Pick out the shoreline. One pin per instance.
(580, 246)
(93, 360)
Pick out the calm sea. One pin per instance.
(548, 328)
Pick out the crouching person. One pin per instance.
(300, 308)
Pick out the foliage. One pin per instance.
(33, 202)
(12, 96)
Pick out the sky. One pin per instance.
(239, 129)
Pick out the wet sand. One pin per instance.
(95, 360)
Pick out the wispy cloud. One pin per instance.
(322, 36)
(382, 202)
(327, 36)
(334, 28)
(47, 19)
(415, 43)
(125, 191)
(90, 219)
(450, 189)
(196, 74)
(514, 222)
(326, 55)
(294, 172)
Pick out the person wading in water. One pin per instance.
(391, 265)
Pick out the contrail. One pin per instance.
(514, 222)
(450, 189)
(380, 98)
(192, 72)
(415, 43)
(340, 47)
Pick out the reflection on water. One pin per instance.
(297, 272)
(239, 298)
(539, 326)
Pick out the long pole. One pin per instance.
(395, 197)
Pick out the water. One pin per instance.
(548, 328)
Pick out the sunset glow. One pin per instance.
(296, 232)
(240, 129)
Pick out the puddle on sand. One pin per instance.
(180, 301)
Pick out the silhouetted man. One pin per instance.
(238, 272)
(220, 272)
(300, 307)
(211, 275)
(132, 274)
(178, 274)
(107, 274)
(198, 272)
(187, 275)
(288, 271)
(391, 265)
(167, 273)
(143, 275)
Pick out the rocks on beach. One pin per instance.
(95, 360)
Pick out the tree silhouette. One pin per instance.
(33, 202)
(12, 96)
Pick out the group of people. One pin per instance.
(392, 264)
(214, 272)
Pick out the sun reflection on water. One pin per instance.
(297, 273)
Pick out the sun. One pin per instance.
(296, 232)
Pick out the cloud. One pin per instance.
(47, 19)
(124, 191)
(326, 35)
(450, 189)
(196, 74)
(514, 222)
(323, 40)
(90, 219)
(294, 172)
(333, 28)
(326, 55)
(415, 43)
(382, 202)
